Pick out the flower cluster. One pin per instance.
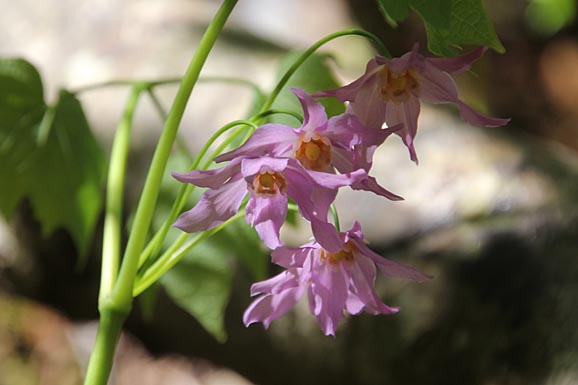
(308, 165)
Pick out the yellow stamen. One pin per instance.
(269, 182)
(345, 254)
(314, 154)
(397, 87)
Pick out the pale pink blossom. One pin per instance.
(390, 91)
(335, 282)
(269, 181)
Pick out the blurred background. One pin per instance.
(491, 213)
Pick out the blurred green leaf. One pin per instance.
(549, 16)
(67, 174)
(313, 75)
(396, 10)
(61, 175)
(453, 23)
(21, 109)
(201, 284)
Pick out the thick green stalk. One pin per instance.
(111, 241)
(115, 308)
(101, 357)
(122, 293)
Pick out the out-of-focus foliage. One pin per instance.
(549, 16)
(449, 23)
(48, 155)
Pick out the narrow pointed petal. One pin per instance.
(314, 116)
(458, 64)
(286, 280)
(370, 184)
(270, 139)
(209, 178)
(214, 207)
(290, 256)
(267, 214)
(406, 113)
(363, 279)
(270, 307)
(331, 288)
(473, 117)
(391, 268)
(439, 87)
(349, 92)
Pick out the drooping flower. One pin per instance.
(269, 181)
(320, 144)
(335, 282)
(390, 91)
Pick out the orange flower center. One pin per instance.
(269, 182)
(397, 87)
(314, 154)
(345, 254)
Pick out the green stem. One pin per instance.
(335, 216)
(264, 114)
(122, 293)
(181, 145)
(112, 235)
(102, 356)
(175, 253)
(383, 50)
(185, 192)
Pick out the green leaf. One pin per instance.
(61, 175)
(201, 284)
(67, 172)
(21, 109)
(313, 75)
(397, 10)
(453, 23)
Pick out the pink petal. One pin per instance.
(370, 184)
(209, 178)
(270, 139)
(350, 91)
(281, 282)
(330, 291)
(267, 214)
(458, 64)
(291, 256)
(438, 87)
(270, 307)
(391, 268)
(214, 207)
(407, 114)
(473, 117)
(253, 166)
(314, 116)
(363, 279)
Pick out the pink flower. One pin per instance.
(320, 144)
(336, 282)
(269, 181)
(390, 91)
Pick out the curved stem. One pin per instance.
(264, 114)
(185, 191)
(112, 234)
(175, 253)
(122, 293)
(335, 216)
(383, 50)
